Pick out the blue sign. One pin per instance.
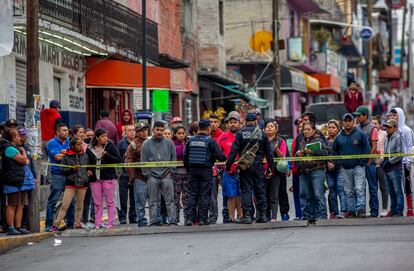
(143, 115)
(366, 33)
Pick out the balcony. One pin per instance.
(104, 21)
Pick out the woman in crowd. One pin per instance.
(17, 180)
(79, 132)
(382, 136)
(180, 175)
(125, 118)
(102, 151)
(335, 189)
(273, 180)
(295, 188)
(76, 181)
(168, 133)
(312, 174)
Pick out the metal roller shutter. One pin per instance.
(57, 89)
(21, 92)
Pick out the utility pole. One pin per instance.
(403, 49)
(144, 53)
(276, 59)
(32, 87)
(369, 70)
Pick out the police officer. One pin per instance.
(252, 178)
(199, 156)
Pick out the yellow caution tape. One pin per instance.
(295, 159)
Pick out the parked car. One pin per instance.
(326, 111)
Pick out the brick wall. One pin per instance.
(169, 28)
(211, 46)
(152, 7)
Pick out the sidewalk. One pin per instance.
(10, 242)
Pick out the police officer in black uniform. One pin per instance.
(252, 179)
(200, 154)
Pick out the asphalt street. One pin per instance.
(311, 248)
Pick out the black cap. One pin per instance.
(11, 122)
(141, 125)
(347, 116)
(251, 116)
(204, 124)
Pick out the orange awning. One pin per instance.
(328, 84)
(121, 74)
(312, 84)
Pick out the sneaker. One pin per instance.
(213, 222)
(373, 215)
(361, 214)
(23, 231)
(123, 222)
(54, 229)
(142, 224)
(340, 216)
(273, 220)
(297, 218)
(388, 214)
(333, 216)
(173, 224)
(70, 226)
(285, 217)
(81, 226)
(261, 219)
(204, 223)
(13, 231)
(410, 213)
(312, 222)
(384, 212)
(188, 223)
(48, 228)
(348, 215)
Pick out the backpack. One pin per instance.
(248, 155)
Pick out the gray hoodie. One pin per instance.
(407, 135)
(157, 150)
(393, 144)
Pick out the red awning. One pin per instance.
(121, 74)
(390, 72)
(328, 84)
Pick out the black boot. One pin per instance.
(261, 217)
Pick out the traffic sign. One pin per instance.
(366, 33)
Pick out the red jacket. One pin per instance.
(353, 100)
(216, 134)
(48, 118)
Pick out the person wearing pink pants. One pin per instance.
(100, 152)
(104, 189)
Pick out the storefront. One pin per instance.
(329, 88)
(114, 86)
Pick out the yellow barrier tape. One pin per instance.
(295, 159)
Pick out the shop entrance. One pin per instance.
(112, 100)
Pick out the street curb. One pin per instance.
(134, 230)
(11, 242)
(128, 230)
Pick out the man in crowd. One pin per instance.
(199, 156)
(252, 145)
(216, 132)
(362, 116)
(353, 97)
(159, 178)
(407, 137)
(56, 150)
(105, 123)
(49, 118)
(352, 141)
(123, 183)
(225, 142)
(136, 177)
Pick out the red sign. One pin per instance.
(397, 4)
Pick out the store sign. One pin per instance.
(295, 49)
(76, 93)
(138, 99)
(397, 4)
(332, 63)
(51, 54)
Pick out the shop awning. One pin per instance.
(312, 84)
(292, 80)
(328, 84)
(121, 74)
(390, 72)
(262, 103)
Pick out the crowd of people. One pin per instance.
(254, 187)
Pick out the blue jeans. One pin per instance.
(313, 191)
(140, 197)
(394, 183)
(332, 180)
(354, 185)
(57, 187)
(371, 173)
(296, 195)
(341, 194)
